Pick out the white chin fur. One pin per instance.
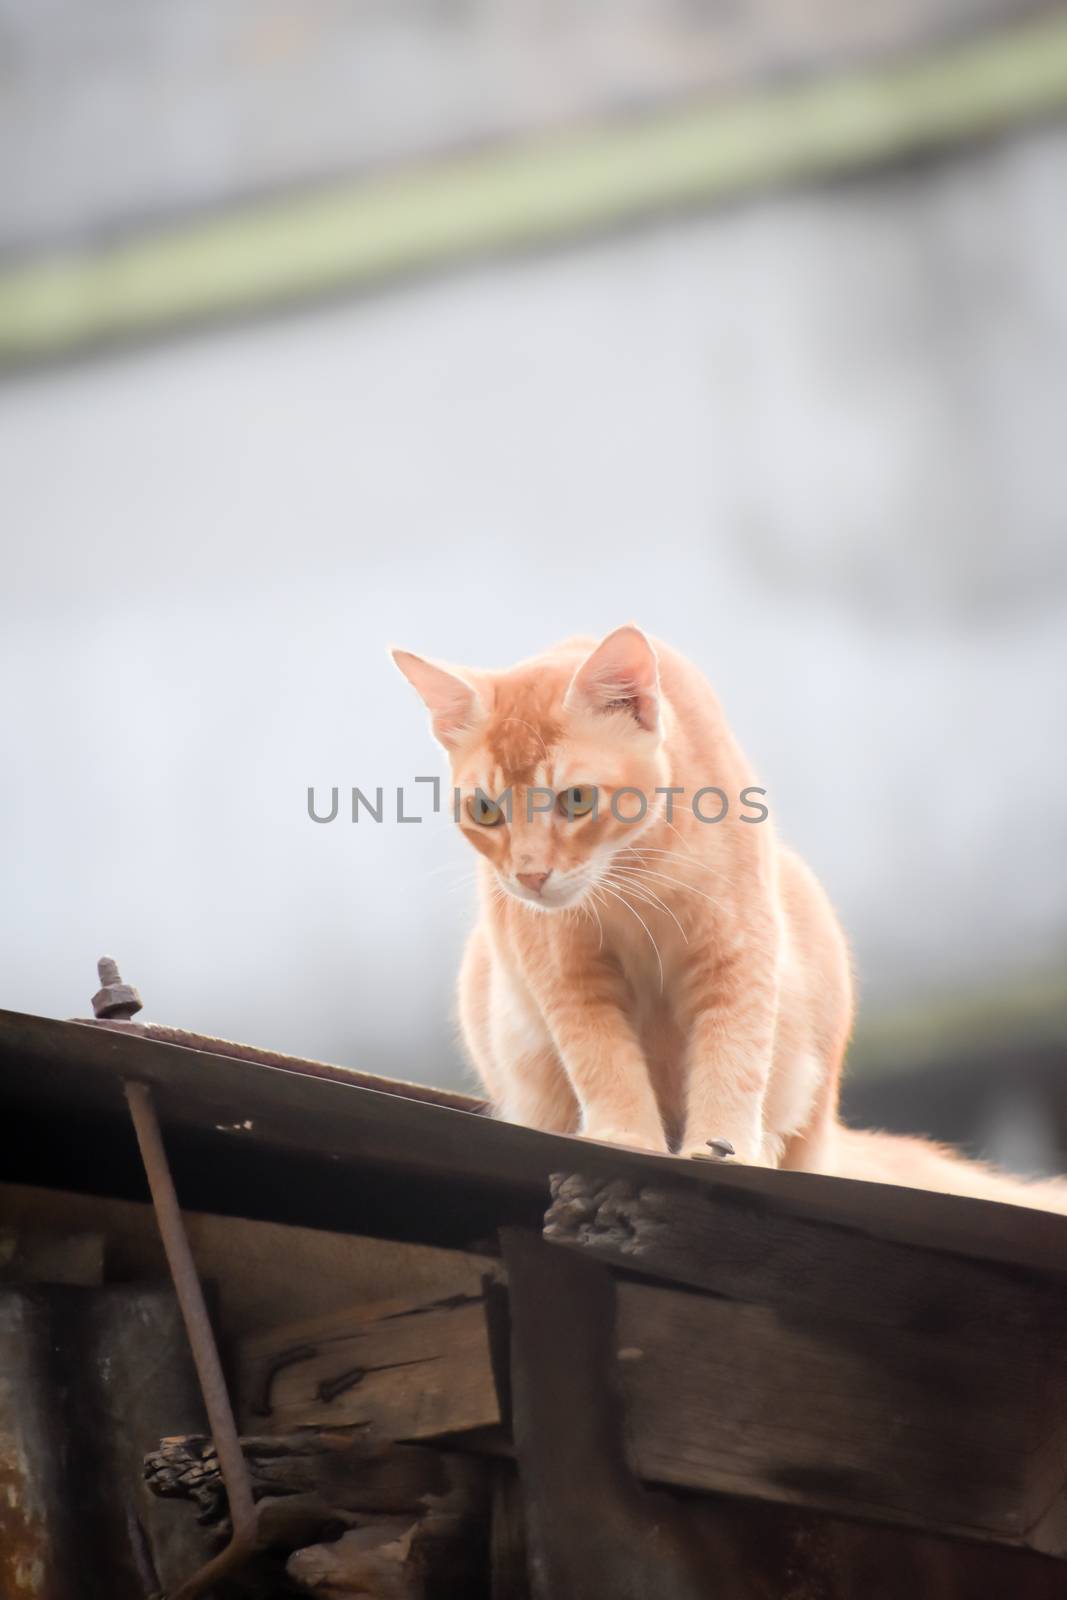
(548, 902)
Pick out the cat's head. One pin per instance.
(556, 761)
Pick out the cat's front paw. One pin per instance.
(630, 1138)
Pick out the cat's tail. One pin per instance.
(920, 1164)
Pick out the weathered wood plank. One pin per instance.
(729, 1397)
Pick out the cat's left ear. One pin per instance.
(622, 674)
(452, 702)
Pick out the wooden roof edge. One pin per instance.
(355, 1122)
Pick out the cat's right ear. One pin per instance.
(453, 703)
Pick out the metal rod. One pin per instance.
(183, 1271)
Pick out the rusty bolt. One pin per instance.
(718, 1150)
(115, 998)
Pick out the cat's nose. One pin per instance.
(534, 880)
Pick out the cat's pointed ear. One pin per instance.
(622, 674)
(453, 703)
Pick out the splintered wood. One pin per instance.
(402, 1370)
(341, 1468)
(411, 1521)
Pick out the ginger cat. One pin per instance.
(642, 973)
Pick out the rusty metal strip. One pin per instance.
(453, 1099)
(202, 1342)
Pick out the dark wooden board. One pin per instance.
(592, 1528)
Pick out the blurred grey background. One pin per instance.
(815, 437)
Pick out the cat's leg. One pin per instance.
(538, 1094)
(473, 1008)
(533, 1087)
(729, 1016)
(604, 1061)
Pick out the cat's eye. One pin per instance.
(577, 801)
(485, 812)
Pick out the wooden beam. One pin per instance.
(592, 1529)
(373, 230)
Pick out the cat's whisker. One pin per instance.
(448, 891)
(687, 852)
(638, 891)
(692, 862)
(641, 890)
(654, 899)
(672, 825)
(658, 850)
(589, 904)
(658, 816)
(635, 913)
(701, 866)
(677, 883)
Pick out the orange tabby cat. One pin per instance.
(643, 974)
